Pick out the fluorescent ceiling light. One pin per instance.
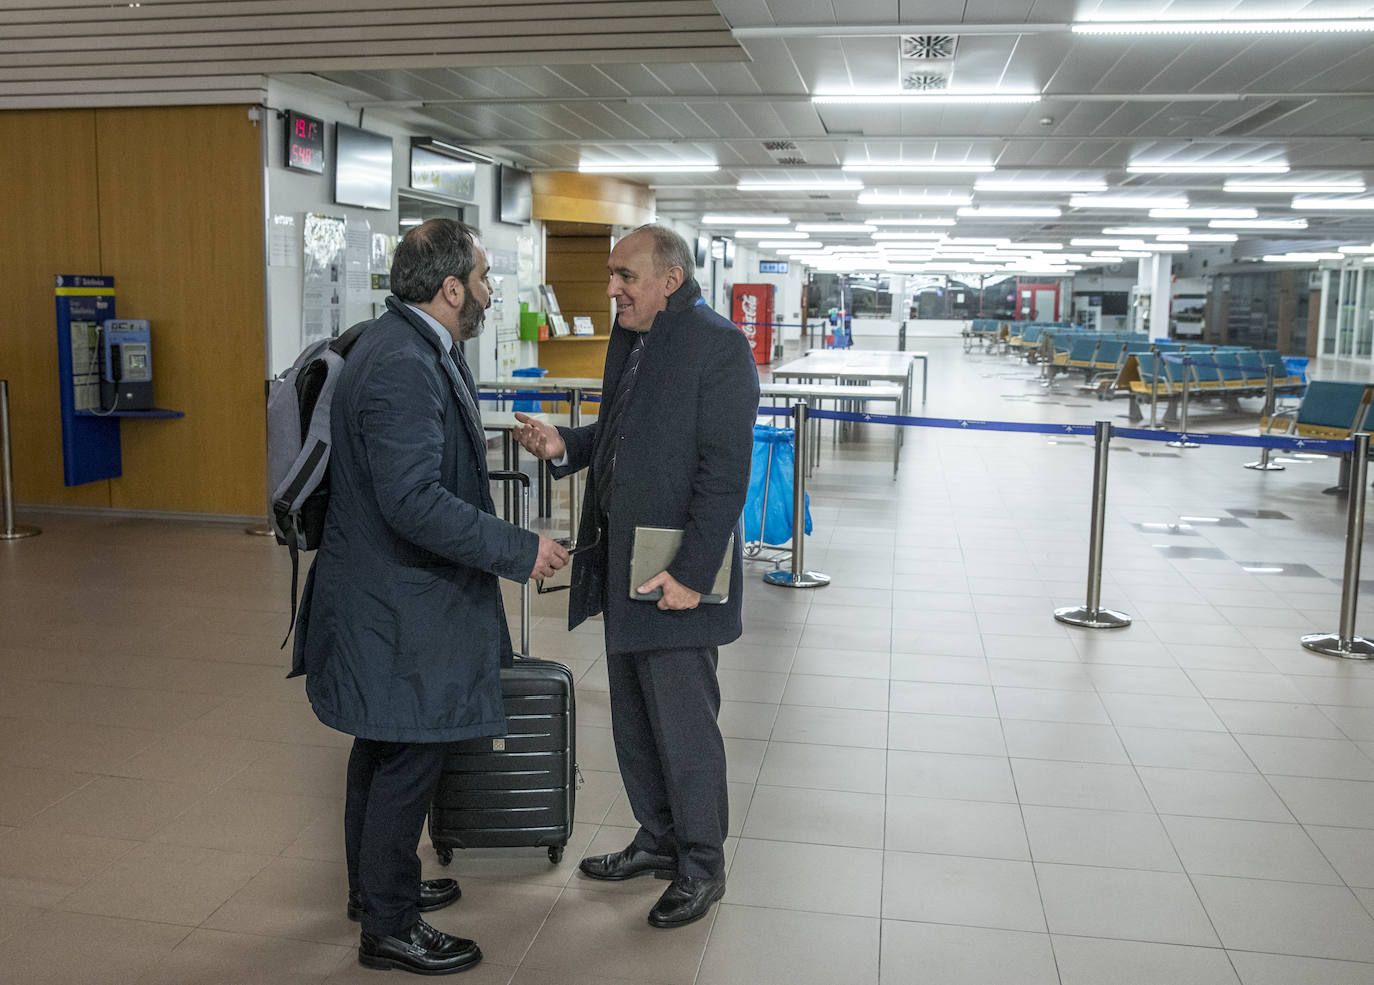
(1301, 257)
(835, 227)
(1163, 168)
(1209, 238)
(1167, 247)
(1040, 185)
(823, 185)
(1010, 211)
(1357, 250)
(1257, 224)
(915, 201)
(897, 166)
(1145, 231)
(909, 236)
(980, 240)
(1287, 25)
(1315, 203)
(916, 98)
(745, 220)
(768, 234)
(660, 167)
(1038, 246)
(911, 222)
(1203, 212)
(1104, 241)
(1334, 186)
(787, 244)
(1129, 202)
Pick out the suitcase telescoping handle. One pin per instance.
(524, 480)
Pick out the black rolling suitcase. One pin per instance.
(515, 790)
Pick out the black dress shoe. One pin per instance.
(421, 949)
(627, 864)
(435, 894)
(687, 899)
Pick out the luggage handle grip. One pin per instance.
(503, 475)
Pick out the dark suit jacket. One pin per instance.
(402, 629)
(684, 463)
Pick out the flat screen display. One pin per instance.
(728, 260)
(362, 167)
(513, 194)
(703, 250)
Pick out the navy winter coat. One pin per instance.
(402, 629)
(689, 436)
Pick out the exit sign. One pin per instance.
(772, 266)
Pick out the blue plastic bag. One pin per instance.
(777, 475)
(529, 406)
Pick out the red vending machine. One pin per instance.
(751, 308)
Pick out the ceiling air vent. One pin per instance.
(1263, 117)
(924, 81)
(790, 160)
(926, 46)
(774, 145)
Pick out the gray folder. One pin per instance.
(654, 549)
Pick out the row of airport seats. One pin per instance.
(1007, 335)
(1224, 373)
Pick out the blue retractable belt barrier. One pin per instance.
(1280, 442)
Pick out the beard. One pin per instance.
(471, 318)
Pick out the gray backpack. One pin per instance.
(298, 442)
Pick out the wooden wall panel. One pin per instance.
(568, 196)
(48, 209)
(181, 231)
(169, 203)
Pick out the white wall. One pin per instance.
(291, 193)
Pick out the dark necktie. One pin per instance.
(613, 425)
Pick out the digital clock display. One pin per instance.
(304, 142)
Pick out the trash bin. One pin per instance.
(770, 488)
(529, 406)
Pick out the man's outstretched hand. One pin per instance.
(537, 437)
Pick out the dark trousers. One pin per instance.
(664, 705)
(390, 788)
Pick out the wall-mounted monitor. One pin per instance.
(728, 260)
(362, 167)
(514, 198)
(443, 174)
(703, 249)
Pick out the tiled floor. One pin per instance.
(932, 780)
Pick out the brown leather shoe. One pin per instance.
(435, 894)
(421, 949)
(627, 864)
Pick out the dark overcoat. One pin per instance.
(683, 462)
(402, 629)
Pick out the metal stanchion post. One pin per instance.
(574, 421)
(1183, 441)
(798, 577)
(1154, 392)
(1345, 643)
(1264, 465)
(1091, 615)
(9, 531)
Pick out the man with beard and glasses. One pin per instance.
(402, 631)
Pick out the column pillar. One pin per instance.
(1161, 291)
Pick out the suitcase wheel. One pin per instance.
(445, 855)
(555, 854)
